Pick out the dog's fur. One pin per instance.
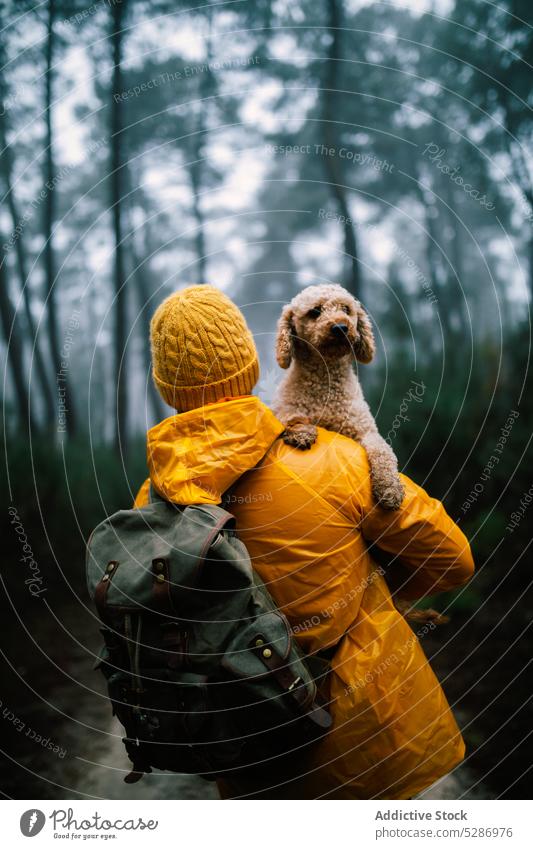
(321, 387)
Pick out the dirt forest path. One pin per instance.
(102, 777)
(99, 773)
(71, 709)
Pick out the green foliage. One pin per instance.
(468, 442)
(60, 495)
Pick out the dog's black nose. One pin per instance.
(339, 330)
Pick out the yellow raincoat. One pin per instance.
(307, 518)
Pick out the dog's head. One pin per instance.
(324, 320)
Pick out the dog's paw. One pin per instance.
(301, 436)
(389, 497)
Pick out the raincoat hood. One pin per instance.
(194, 457)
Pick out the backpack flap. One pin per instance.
(263, 661)
(153, 558)
(262, 653)
(246, 654)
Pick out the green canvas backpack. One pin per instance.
(201, 667)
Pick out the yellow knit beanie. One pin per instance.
(202, 349)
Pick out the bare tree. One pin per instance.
(48, 222)
(116, 186)
(330, 133)
(195, 173)
(13, 339)
(204, 88)
(6, 169)
(137, 249)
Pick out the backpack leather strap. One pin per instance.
(285, 678)
(100, 593)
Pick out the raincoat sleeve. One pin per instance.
(430, 554)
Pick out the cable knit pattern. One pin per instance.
(202, 349)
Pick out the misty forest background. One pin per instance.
(145, 146)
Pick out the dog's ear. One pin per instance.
(365, 347)
(284, 347)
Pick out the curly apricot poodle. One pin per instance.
(320, 333)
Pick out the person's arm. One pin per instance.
(430, 554)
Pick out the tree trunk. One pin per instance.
(49, 218)
(6, 172)
(13, 339)
(433, 260)
(143, 295)
(519, 162)
(198, 141)
(143, 298)
(99, 385)
(117, 179)
(455, 252)
(530, 264)
(527, 192)
(529, 197)
(196, 186)
(333, 164)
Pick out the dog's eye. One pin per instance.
(315, 312)
(346, 309)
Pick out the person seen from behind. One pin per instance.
(309, 522)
